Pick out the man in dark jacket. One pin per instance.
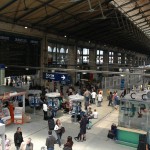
(50, 141)
(18, 139)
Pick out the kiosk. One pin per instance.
(34, 99)
(134, 118)
(10, 94)
(54, 100)
(75, 104)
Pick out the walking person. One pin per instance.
(87, 98)
(82, 134)
(18, 139)
(27, 145)
(58, 131)
(7, 143)
(45, 110)
(110, 97)
(50, 141)
(99, 99)
(68, 145)
(93, 96)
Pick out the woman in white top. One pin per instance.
(58, 131)
(95, 114)
(45, 111)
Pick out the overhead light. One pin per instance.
(6, 67)
(65, 36)
(89, 41)
(84, 73)
(25, 27)
(27, 68)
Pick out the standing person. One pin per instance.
(45, 110)
(93, 96)
(51, 123)
(7, 143)
(28, 145)
(87, 97)
(58, 131)
(50, 141)
(68, 145)
(82, 134)
(99, 99)
(18, 139)
(110, 97)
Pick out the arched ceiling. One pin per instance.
(120, 23)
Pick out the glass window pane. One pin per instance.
(49, 49)
(85, 51)
(98, 52)
(101, 52)
(62, 50)
(67, 50)
(57, 50)
(54, 50)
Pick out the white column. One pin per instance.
(23, 98)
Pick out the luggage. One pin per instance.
(110, 134)
(89, 125)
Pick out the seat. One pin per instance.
(6, 116)
(18, 115)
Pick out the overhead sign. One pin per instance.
(55, 76)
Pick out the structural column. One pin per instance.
(44, 59)
(92, 61)
(106, 60)
(122, 58)
(72, 61)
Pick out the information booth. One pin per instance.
(134, 118)
(54, 100)
(76, 104)
(9, 99)
(34, 97)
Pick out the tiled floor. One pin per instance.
(96, 137)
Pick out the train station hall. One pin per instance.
(74, 74)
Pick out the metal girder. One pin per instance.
(138, 7)
(60, 10)
(83, 21)
(89, 29)
(7, 4)
(69, 18)
(132, 1)
(141, 22)
(32, 10)
(145, 28)
(139, 13)
(144, 25)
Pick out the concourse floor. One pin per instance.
(96, 137)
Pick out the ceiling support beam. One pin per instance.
(7, 4)
(33, 10)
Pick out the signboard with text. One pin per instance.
(55, 76)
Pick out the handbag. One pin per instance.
(58, 131)
(62, 129)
